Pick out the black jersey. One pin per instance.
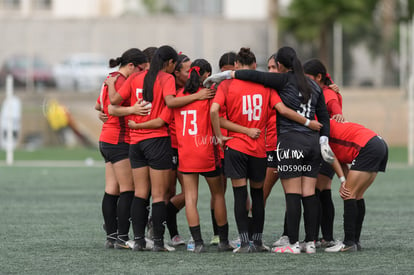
(286, 86)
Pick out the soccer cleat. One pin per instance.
(223, 247)
(164, 248)
(310, 247)
(148, 244)
(341, 247)
(236, 242)
(243, 249)
(326, 244)
(359, 247)
(284, 240)
(137, 245)
(110, 240)
(120, 244)
(215, 240)
(177, 240)
(199, 248)
(290, 248)
(109, 244)
(260, 248)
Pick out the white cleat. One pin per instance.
(284, 240)
(290, 248)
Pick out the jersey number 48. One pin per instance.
(252, 106)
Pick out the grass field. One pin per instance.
(51, 223)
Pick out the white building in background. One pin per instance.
(245, 9)
(195, 17)
(86, 9)
(199, 28)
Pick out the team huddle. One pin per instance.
(167, 118)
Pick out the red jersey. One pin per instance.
(271, 133)
(133, 88)
(333, 101)
(197, 145)
(247, 104)
(115, 129)
(346, 139)
(224, 132)
(174, 143)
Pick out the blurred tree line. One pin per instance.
(375, 23)
(308, 25)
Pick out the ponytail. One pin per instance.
(133, 55)
(288, 58)
(315, 67)
(158, 62)
(301, 79)
(113, 62)
(198, 68)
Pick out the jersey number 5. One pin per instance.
(191, 116)
(252, 106)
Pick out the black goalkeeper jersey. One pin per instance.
(286, 86)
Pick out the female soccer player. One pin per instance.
(194, 134)
(367, 153)
(226, 62)
(271, 141)
(316, 71)
(150, 151)
(298, 152)
(114, 146)
(176, 202)
(247, 104)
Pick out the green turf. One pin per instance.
(396, 154)
(51, 223)
(55, 153)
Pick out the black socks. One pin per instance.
(109, 209)
(350, 217)
(124, 214)
(293, 213)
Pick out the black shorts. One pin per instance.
(326, 169)
(210, 174)
(298, 154)
(114, 152)
(373, 157)
(271, 159)
(174, 158)
(240, 165)
(153, 152)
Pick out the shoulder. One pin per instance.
(137, 75)
(164, 77)
(225, 84)
(329, 93)
(314, 86)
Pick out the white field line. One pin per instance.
(53, 163)
(100, 164)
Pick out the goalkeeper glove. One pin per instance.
(326, 150)
(217, 78)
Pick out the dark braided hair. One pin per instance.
(134, 56)
(158, 62)
(245, 57)
(288, 58)
(314, 67)
(194, 80)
